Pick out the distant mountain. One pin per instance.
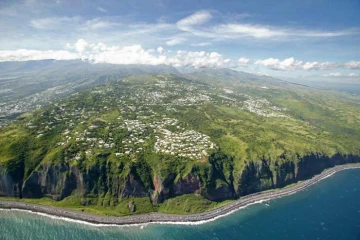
(232, 76)
(16, 66)
(162, 142)
(70, 65)
(30, 84)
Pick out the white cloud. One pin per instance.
(160, 50)
(238, 30)
(319, 65)
(197, 18)
(354, 74)
(199, 60)
(81, 45)
(201, 44)
(235, 30)
(276, 64)
(175, 41)
(200, 29)
(335, 74)
(338, 74)
(74, 23)
(102, 9)
(292, 64)
(243, 61)
(97, 23)
(26, 55)
(53, 23)
(352, 65)
(136, 54)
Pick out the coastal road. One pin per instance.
(172, 218)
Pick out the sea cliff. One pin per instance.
(105, 186)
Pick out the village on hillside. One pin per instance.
(128, 120)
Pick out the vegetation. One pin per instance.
(170, 144)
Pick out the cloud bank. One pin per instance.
(26, 55)
(136, 54)
(197, 24)
(338, 74)
(289, 64)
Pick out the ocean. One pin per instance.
(327, 210)
(343, 86)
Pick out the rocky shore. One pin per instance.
(171, 218)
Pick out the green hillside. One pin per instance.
(159, 142)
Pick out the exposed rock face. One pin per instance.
(255, 177)
(284, 173)
(187, 185)
(131, 188)
(262, 175)
(215, 182)
(162, 189)
(53, 181)
(8, 187)
(60, 181)
(221, 193)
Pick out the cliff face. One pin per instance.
(215, 181)
(162, 188)
(262, 175)
(186, 185)
(53, 181)
(255, 177)
(8, 187)
(61, 180)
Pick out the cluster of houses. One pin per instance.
(191, 100)
(171, 93)
(139, 124)
(138, 136)
(85, 139)
(190, 144)
(28, 103)
(178, 142)
(259, 106)
(262, 107)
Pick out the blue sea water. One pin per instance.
(353, 87)
(327, 210)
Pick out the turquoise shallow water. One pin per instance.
(328, 210)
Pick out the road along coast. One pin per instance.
(71, 215)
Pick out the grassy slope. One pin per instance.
(321, 122)
(185, 204)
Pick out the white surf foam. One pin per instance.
(141, 225)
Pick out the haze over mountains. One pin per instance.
(125, 139)
(150, 108)
(30, 84)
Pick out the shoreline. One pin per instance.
(162, 218)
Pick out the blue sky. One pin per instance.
(308, 38)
